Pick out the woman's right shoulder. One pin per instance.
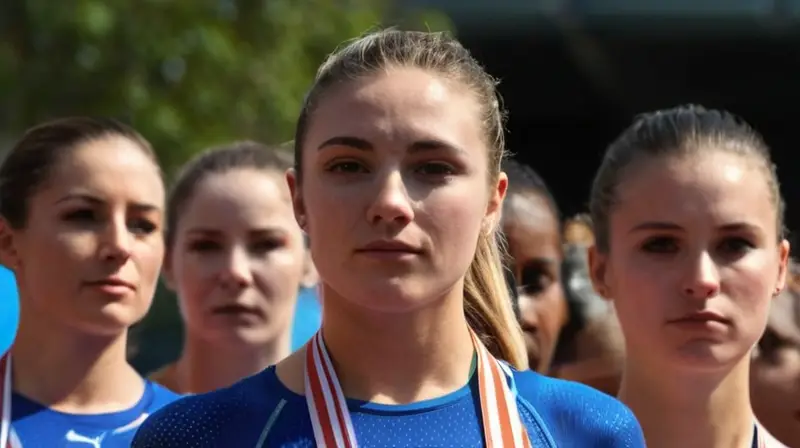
(578, 415)
(224, 417)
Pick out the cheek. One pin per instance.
(194, 278)
(280, 273)
(454, 220)
(149, 257)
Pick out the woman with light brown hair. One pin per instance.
(397, 181)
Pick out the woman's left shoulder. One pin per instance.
(576, 414)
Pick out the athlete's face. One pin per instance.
(534, 244)
(775, 371)
(395, 188)
(238, 258)
(91, 250)
(692, 273)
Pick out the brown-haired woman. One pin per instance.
(397, 181)
(689, 244)
(236, 259)
(81, 219)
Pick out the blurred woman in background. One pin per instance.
(591, 349)
(531, 225)
(81, 219)
(775, 369)
(236, 259)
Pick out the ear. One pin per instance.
(9, 239)
(167, 273)
(298, 205)
(495, 206)
(783, 266)
(598, 271)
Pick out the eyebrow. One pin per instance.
(265, 231)
(94, 200)
(669, 226)
(365, 145)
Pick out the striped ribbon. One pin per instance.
(763, 439)
(330, 418)
(7, 437)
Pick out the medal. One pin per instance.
(330, 418)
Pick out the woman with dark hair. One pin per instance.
(532, 230)
(775, 369)
(81, 219)
(591, 349)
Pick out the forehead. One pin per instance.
(242, 197)
(399, 105)
(531, 228)
(108, 167)
(705, 190)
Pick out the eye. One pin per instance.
(346, 167)
(660, 245)
(534, 280)
(204, 246)
(82, 215)
(436, 169)
(142, 226)
(266, 245)
(735, 246)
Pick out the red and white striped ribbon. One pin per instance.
(330, 418)
(7, 437)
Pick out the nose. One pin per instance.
(391, 203)
(702, 279)
(236, 272)
(116, 243)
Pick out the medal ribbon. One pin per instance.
(7, 439)
(330, 418)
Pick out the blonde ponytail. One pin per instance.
(487, 304)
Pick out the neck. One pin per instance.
(690, 409)
(206, 366)
(398, 358)
(70, 371)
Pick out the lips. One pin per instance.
(236, 309)
(702, 316)
(114, 282)
(390, 246)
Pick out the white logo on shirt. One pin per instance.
(96, 442)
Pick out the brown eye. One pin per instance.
(662, 245)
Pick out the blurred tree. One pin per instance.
(187, 74)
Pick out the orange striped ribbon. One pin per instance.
(330, 418)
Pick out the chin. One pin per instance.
(708, 356)
(242, 336)
(397, 295)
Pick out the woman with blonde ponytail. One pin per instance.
(397, 182)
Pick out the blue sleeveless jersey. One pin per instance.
(260, 411)
(38, 426)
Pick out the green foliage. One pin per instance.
(187, 74)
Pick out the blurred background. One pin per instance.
(193, 74)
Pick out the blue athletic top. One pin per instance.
(38, 426)
(260, 411)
